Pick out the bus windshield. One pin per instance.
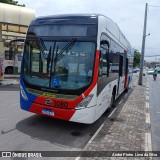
(58, 64)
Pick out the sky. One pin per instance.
(128, 14)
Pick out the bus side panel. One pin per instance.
(86, 115)
(104, 98)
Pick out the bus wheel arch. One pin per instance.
(112, 103)
(9, 70)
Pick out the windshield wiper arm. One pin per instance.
(49, 59)
(52, 63)
(66, 48)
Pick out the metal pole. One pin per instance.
(1, 54)
(143, 47)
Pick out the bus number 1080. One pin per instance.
(60, 104)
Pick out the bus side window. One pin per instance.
(103, 63)
(104, 57)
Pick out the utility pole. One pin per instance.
(143, 47)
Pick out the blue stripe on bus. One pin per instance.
(26, 104)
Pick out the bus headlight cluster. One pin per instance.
(84, 102)
(23, 93)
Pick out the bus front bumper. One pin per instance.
(86, 115)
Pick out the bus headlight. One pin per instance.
(84, 102)
(23, 93)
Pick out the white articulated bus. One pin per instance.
(83, 63)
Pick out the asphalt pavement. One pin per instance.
(154, 103)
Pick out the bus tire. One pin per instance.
(113, 98)
(9, 70)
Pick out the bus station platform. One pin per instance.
(126, 131)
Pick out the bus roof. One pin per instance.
(92, 18)
(61, 16)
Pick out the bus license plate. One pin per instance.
(48, 112)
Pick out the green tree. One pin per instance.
(12, 2)
(137, 56)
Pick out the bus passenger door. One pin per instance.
(121, 75)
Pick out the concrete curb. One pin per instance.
(8, 82)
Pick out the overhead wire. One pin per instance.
(153, 6)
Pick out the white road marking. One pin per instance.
(120, 101)
(129, 91)
(147, 105)
(112, 113)
(148, 119)
(148, 143)
(147, 98)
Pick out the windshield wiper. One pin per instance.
(66, 48)
(49, 59)
(52, 63)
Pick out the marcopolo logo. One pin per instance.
(48, 102)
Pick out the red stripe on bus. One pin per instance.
(58, 113)
(95, 75)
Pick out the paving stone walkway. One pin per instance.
(125, 129)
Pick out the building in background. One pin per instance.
(14, 21)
